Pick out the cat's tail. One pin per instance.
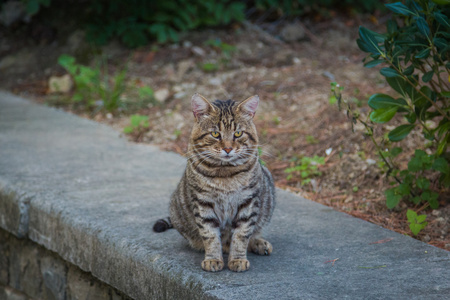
(162, 225)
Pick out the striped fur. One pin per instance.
(225, 197)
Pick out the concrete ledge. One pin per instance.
(78, 189)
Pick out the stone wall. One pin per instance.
(29, 271)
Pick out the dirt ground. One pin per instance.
(291, 75)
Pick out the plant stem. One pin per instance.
(420, 92)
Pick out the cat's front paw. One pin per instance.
(212, 265)
(238, 265)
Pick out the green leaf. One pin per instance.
(423, 183)
(421, 218)
(431, 198)
(364, 46)
(400, 8)
(411, 117)
(411, 215)
(400, 132)
(423, 54)
(442, 146)
(377, 101)
(392, 26)
(417, 223)
(128, 129)
(389, 72)
(427, 76)
(398, 84)
(396, 151)
(446, 94)
(392, 199)
(32, 7)
(416, 200)
(403, 189)
(440, 43)
(409, 70)
(145, 92)
(441, 165)
(373, 63)
(370, 41)
(68, 63)
(77, 97)
(423, 26)
(383, 115)
(442, 19)
(416, 228)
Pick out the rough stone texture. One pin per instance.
(93, 198)
(28, 271)
(7, 293)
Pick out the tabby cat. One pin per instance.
(225, 196)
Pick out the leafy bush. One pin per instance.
(33, 6)
(225, 50)
(415, 51)
(416, 223)
(302, 7)
(96, 90)
(306, 168)
(135, 21)
(93, 88)
(139, 124)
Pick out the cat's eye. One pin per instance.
(238, 133)
(215, 134)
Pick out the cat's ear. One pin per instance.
(249, 106)
(200, 106)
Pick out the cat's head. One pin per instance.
(224, 132)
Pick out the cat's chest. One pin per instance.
(226, 205)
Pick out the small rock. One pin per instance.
(215, 81)
(187, 44)
(162, 95)
(180, 95)
(296, 60)
(183, 67)
(441, 220)
(426, 238)
(12, 11)
(60, 84)
(198, 51)
(314, 185)
(370, 161)
(292, 33)
(447, 246)
(328, 75)
(436, 213)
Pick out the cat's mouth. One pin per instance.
(227, 157)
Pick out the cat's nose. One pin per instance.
(227, 150)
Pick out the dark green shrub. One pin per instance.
(33, 6)
(96, 90)
(135, 21)
(415, 51)
(302, 7)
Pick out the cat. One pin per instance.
(226, 196)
